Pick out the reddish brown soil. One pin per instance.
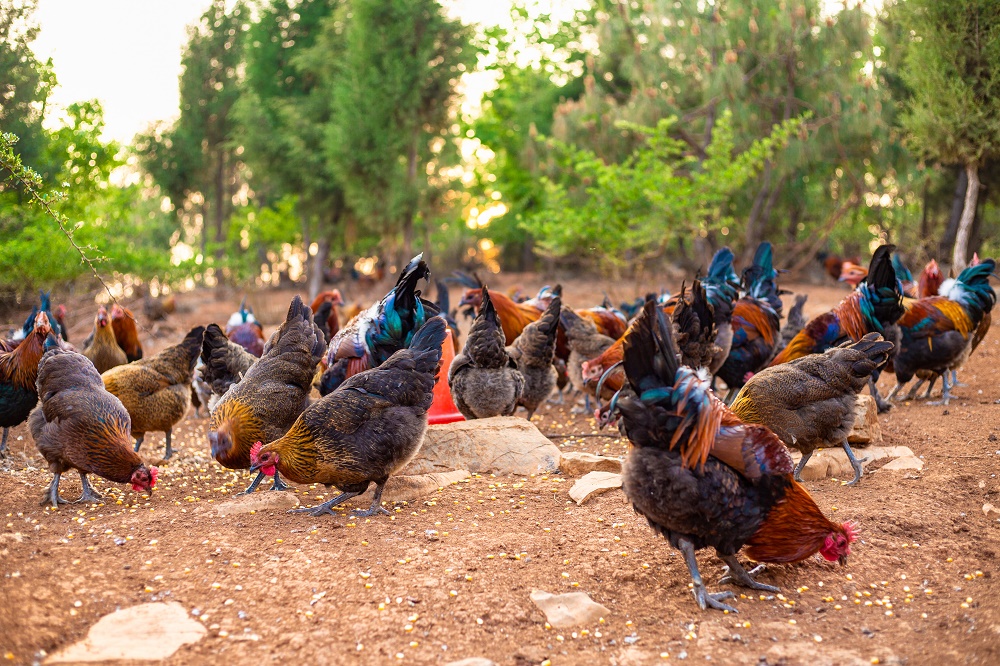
(921, 586)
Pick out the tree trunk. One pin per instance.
(957, 205)
(306, 242)
(959, 259)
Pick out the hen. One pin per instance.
(795, 321)
(484, 379)
(534, 350)
(383, 329)
(585, 342)
(79, 425)
(702, 478)
(810, 402)
(321, 318)
(335, 300)
(244, 329)
(756, 323)
(514, 317)
(272, 393)
(18, 372)
(874, 307)
(126, 332)
(156, 391)
(366, 430)
(938, 332)
(222, 364)
(103, 350)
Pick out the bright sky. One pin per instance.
(127, 53)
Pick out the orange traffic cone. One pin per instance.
(443, 409)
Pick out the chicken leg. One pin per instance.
(89, 494)
(945, 391)
(169, 452)
(138, 441)
(327, 507)
(52, 494)
(954, 379)
(278, 484)
(801, 465)
(736, 574)
(704, 598)
(376, 507)
(3, 443)
(855, 463)
(883, 405)
(930, 387)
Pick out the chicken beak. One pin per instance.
(842, 560)
(255, 466)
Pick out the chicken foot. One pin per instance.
(883, 405)
(954, 379)
(327, 507)
(52, 493)
(802, 463)
(89, 494)
(376, 507)
(855, 463)
(138, 441)
(736, 574)
(930, 387)
(704, 598)
(169, 452)
(278, 484)
(945, 391)
(3, 443)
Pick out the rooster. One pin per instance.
(853, 274)
(795, 321)
(103, 350)
(938, 332)
(383, 329)
(332, 318)
(513, 316)
(364, 431)
(929, 282)
(79, 425)
(156, 391)
(756, 323)
(534, 352)
(484, 379)
(126, 333)
(904, 276)
(267, 395)
(722, 287)
(18, 372)
(810, 402)
(702, 478)
(57, 319)
(873, 307)
(244, 329)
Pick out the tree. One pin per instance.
(393, 92)
(953, 71)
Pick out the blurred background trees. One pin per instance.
(317, 139)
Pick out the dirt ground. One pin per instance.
(921, 586)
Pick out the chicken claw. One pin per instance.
(736, 574)
(376, 507)
(52, 494)
(855, 463)
(704, 598)
(326, 507)
(89, 494)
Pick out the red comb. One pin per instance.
(850, 531)
(153, 473)
(255, 451)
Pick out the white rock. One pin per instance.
(991, 511)
(498, 445)
(578, 463)
(904, 463)
(472, 661)
(594, 483)
(569, 610)
(833, 463)
(867, 429)
(147, 632)
(262, 500)
(409, 488)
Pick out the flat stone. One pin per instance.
(147, 632)
(578, 463)
(262, 500)
(904, 463)
(472, 661)
(833, 463)
(867, 429)
(594, 483)
(413, 487)
(991, 512)
(574, 609)
(497, 445)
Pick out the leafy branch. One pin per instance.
(31, 182)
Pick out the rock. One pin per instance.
(833, 463)
(409, 488)
(498, 445)
(569, 610)
(578, 463)
(991, 512)
(147, 632)
(262, 500)
(867, 429)
(594, 483)
(472, 661)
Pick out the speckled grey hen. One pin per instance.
(484, 379)
(534, 351)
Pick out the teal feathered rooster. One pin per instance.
(722, 286)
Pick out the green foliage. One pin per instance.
(627, 213)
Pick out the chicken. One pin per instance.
(693, 326)
(533, 351)
(904, 276)
(222, 364)
(272, 393)
(938, 332)
(383, 329)
(443, 303)
(103, 350)
(366, 430)
(79, 425)
(874, 307)
(156, 391)
(795, 321)
(244, 329)
(321, 318)
(722, 287)
(929, 282)
(810, 402)
(834, 263)
(853, 274)
(701, 478)
(584, 342)
(56, 319)
(18, 372)
(756, 323)
(484, 379)
(126, 333)
(335, 300)
(514, 317)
